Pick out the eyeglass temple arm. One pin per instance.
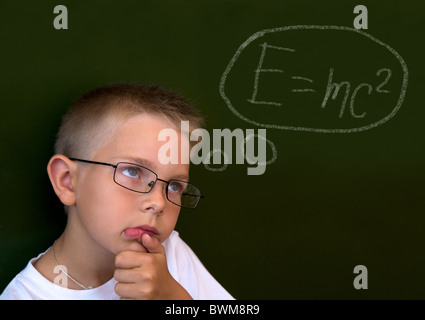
(94, 162)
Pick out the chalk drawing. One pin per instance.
(306, 85)
(260, 69)
(304, 79)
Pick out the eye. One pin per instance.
(131, 172)
(175, 186)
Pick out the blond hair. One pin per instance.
(94, 117)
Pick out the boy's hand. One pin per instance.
(144, 274)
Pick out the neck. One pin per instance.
(86, 261)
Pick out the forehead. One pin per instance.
(137, 139)
(140, 130)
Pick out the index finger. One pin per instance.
(129, 259)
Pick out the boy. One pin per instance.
(122, 205)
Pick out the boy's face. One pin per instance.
(110, 214)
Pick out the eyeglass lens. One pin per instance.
(141, 179)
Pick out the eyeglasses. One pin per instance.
(139, 179)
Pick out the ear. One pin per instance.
(61, 171)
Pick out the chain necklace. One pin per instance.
(71, 278)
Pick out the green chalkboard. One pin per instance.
(338, 110)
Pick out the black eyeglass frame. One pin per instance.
(115, 166)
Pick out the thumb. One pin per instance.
(152, 244)
(137, 246)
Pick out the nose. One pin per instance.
(154, 201)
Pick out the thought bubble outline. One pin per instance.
(313, 27)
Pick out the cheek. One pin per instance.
(169, 220)
(101, 208)
(105, 209)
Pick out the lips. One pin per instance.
(138, 232)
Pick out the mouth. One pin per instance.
(138, 232)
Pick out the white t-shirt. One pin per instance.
(182, 263)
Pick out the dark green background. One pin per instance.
(328, 203)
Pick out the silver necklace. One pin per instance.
(71, 278)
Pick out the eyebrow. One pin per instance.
(182, 177)
(150, 165)
(140, 161)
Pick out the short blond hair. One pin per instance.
(94, 117)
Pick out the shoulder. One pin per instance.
(29, 284)
(24, 286)
(189, 271)
(179, 255)
(15, 291)
(175, 245)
